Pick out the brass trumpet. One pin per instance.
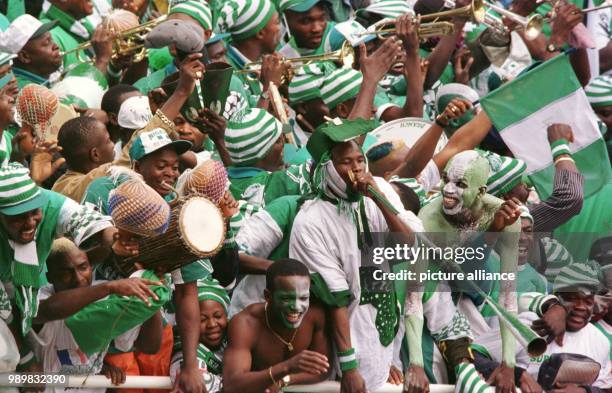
(130, 41)
(345, 55)
(426, 30)
(474, 12)
(532, 25)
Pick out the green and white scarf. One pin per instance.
(81, 28)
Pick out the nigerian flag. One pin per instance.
(522, 110)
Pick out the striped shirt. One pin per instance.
(564, 203)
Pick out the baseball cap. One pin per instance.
(22, 30)
(152, 141)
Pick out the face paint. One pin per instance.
(463, 177)
(290, 300)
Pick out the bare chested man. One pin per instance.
(280, 342)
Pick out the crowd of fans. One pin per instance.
(107, 132)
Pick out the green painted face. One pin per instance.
(463, 178)
(290, 300)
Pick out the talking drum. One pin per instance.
(196, 231)
(408, 129)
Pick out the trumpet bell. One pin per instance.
(534, 26)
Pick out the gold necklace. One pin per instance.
(288, 344)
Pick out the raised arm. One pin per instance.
(465, 138)
(63, 304)
(419, 155)
(373, 67)
(567, 194)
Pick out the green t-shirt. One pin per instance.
(260, 187)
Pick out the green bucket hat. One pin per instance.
(332, 133)
(18, 192)
(557, 257)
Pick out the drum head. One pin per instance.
(408, 129)
(202, 226)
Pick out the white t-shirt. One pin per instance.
(56, 348)
(588, 341)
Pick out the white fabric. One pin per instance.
(588, 341)
(134, 113)
(9, 353)
(17, 35)
(83, 230)
(55, 337)
(258, 236)
(429, 176)
(325, 240)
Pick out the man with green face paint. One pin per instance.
(465, 206)
(280, 342)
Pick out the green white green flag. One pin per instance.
(522, 110)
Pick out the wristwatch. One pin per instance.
(552, 48)
(286, 380)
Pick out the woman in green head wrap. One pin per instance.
(214, 301)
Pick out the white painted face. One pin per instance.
(456, 181)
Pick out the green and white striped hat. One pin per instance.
(209, 289)
(296, 5)
(505, 174)
(197, 9)
(18, 192)
(340, 85)
(250, 135)
(557, 257)
(414, 185)
(599, 91)
(387, 8)
(577, 276)
(244, 18)
(306, 83)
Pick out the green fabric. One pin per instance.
(593, 221)
(97, 193)
(159, 58)
(386, 305)
(25, 78)
(83, 29)
(96, 325)
(327, 135)
(209, 289)
(291, 181)
(320, 290)
(153, 81)
(26, 278)
(283, 211)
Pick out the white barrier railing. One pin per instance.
(146, 382)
